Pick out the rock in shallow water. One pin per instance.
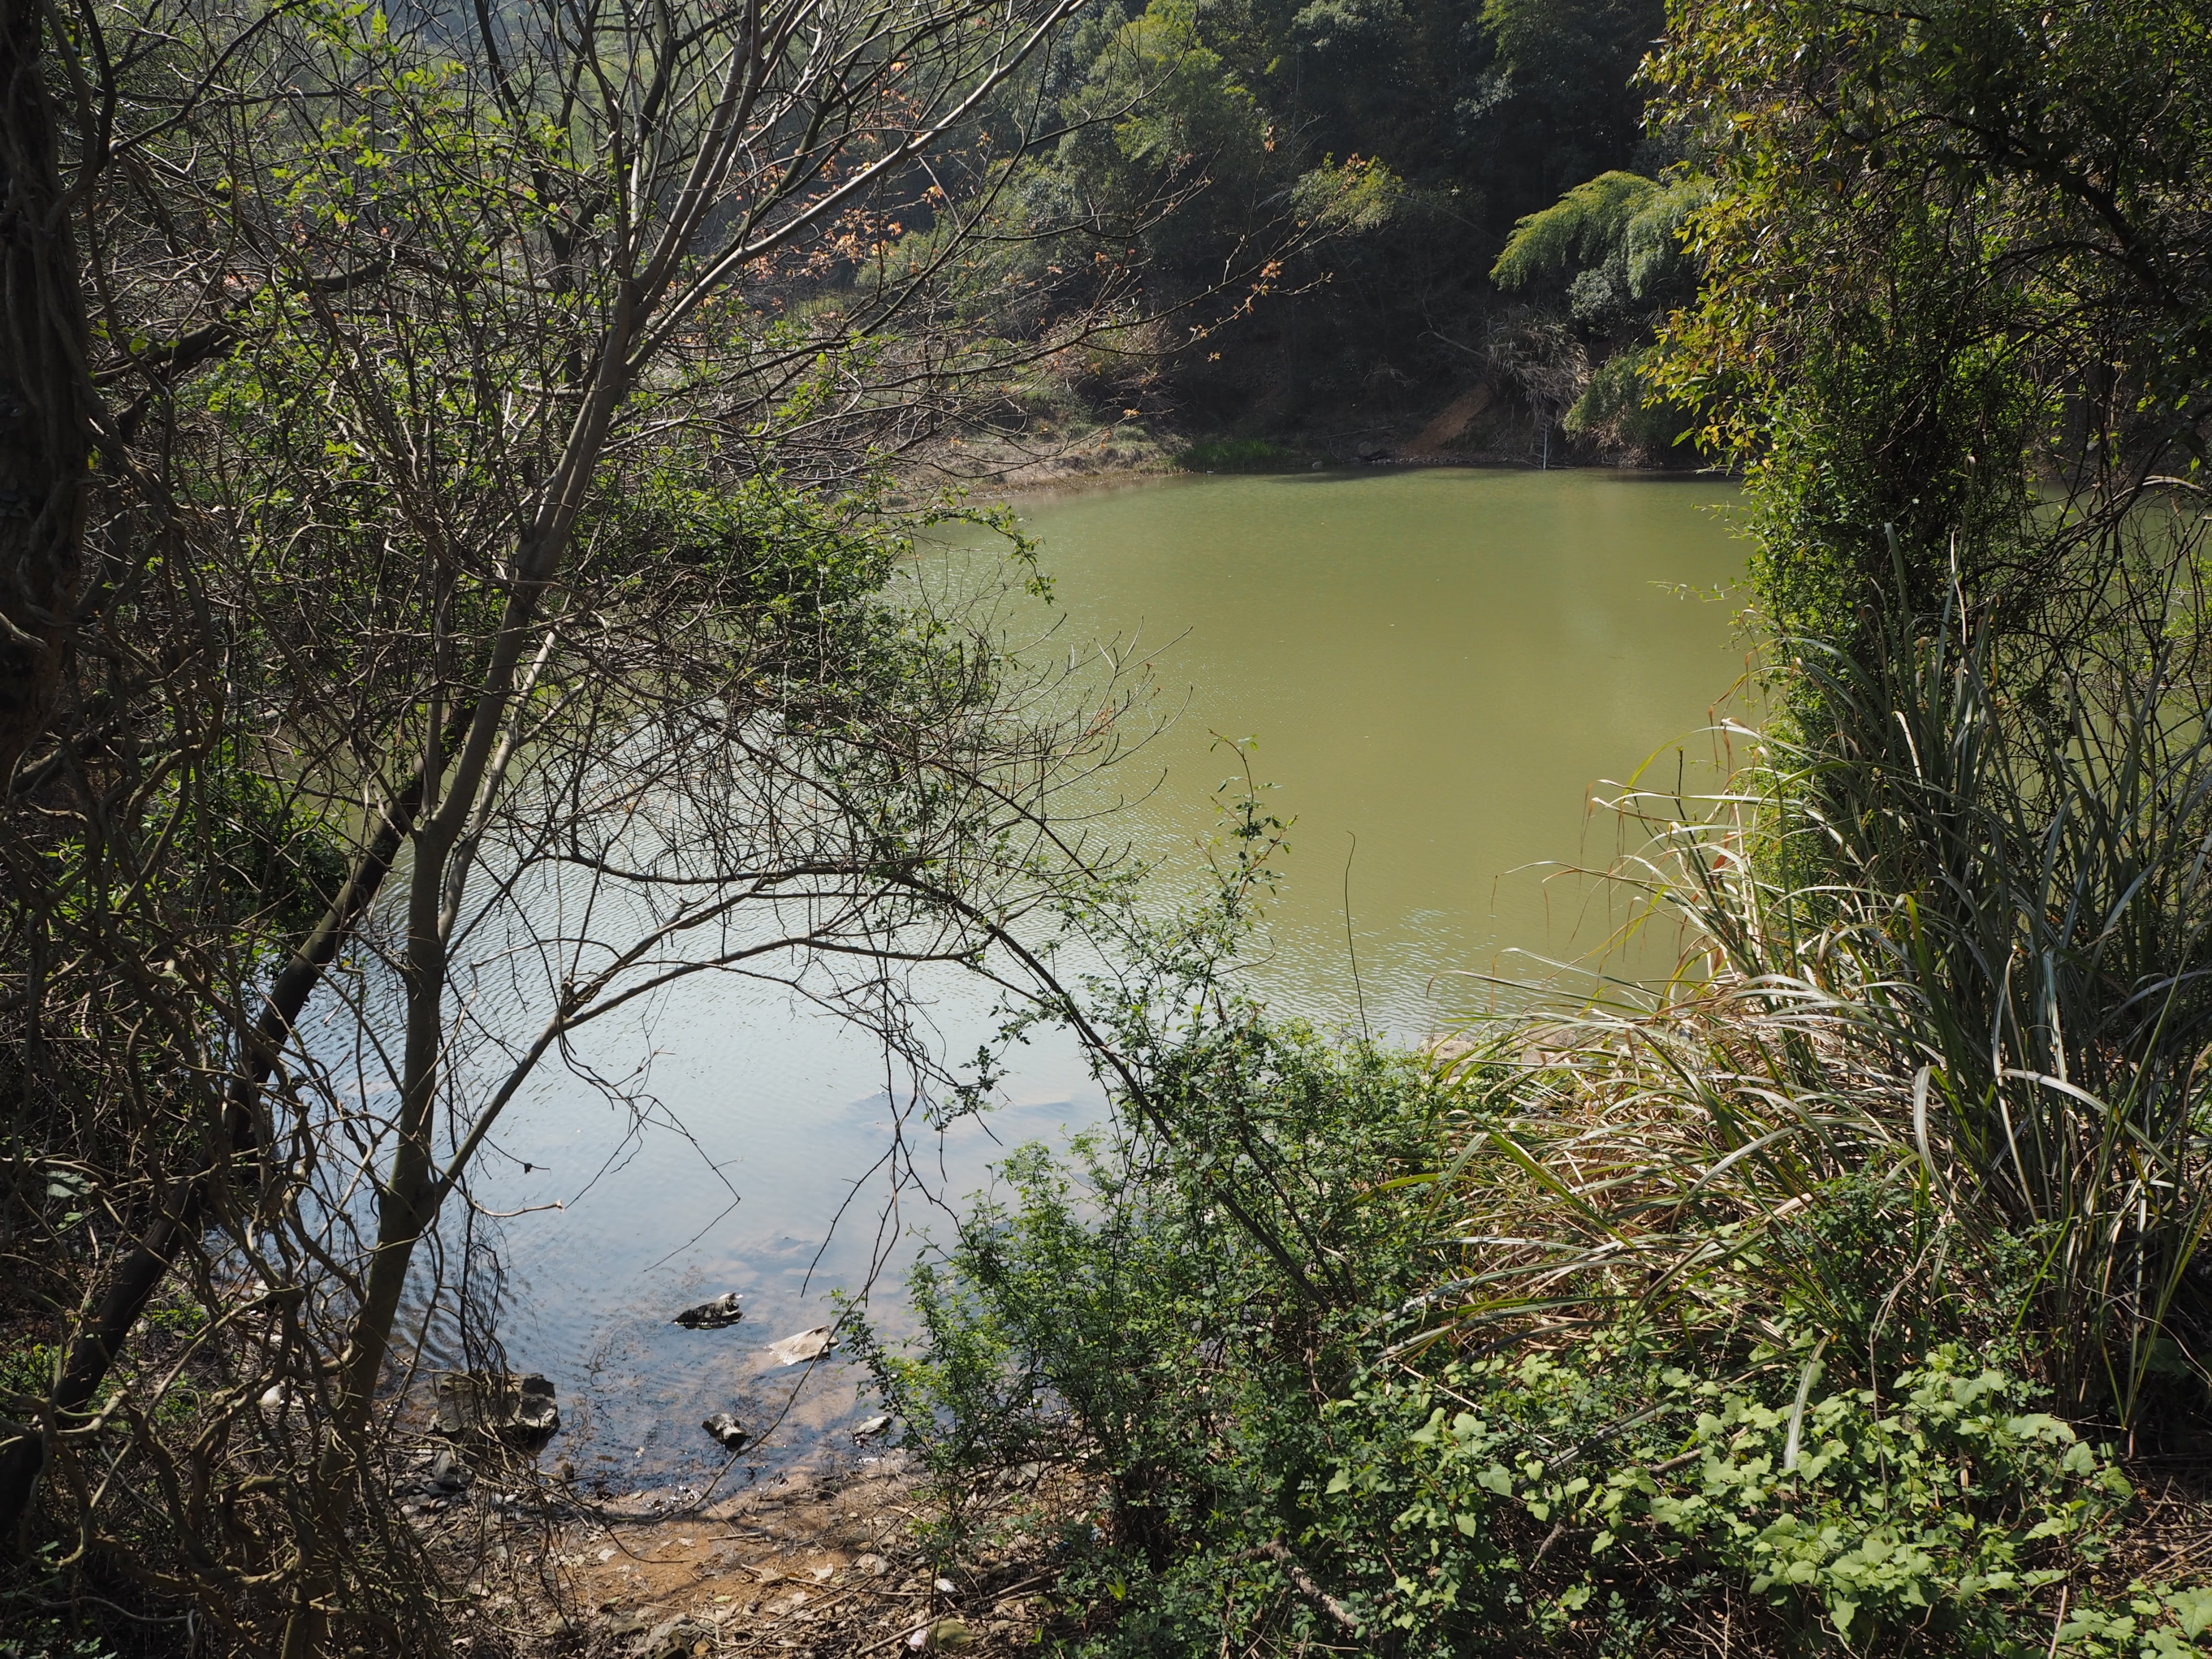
(796, 1350)
(714, 1315)
(515, 1411)
(726, 1429)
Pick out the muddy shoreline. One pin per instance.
(833, 1561)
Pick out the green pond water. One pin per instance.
(1442, 664)
(1436, 671)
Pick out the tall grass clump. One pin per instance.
(1950, 936)
(2024, 881)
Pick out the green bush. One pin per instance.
(1125, 1314)
(1226, 1341)
(1935, 1518)
(1620, 408)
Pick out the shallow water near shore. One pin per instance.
(1433, 670)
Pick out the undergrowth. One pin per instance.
(1804, 1305)
(1290, 1438)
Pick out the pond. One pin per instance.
(1432, 671)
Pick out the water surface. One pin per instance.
(1437, 672)
(1438, 666)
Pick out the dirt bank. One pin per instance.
(831, 1562)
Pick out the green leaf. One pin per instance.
(2193, 1609)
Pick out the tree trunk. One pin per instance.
(44, 447)
(147, 1263)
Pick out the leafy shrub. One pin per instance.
(1936, 1518)
(1620, 408)
(1105, 1320)
(1216, 1339)
(27, 1371)
(1355, 199)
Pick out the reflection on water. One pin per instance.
(1436, 667)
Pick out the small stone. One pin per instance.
(799, 1349)
(872, 1428)
(871, 1566)
(727, 1429)
(674, 1639)
(718, 1314)
(448, 1472)
(277, 1398)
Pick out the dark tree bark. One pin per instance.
(143, 1268)
(43, 445)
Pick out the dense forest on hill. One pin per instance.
(1478, 115)
(1390, 148)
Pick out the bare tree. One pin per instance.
(43, 445)
(475, 388)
